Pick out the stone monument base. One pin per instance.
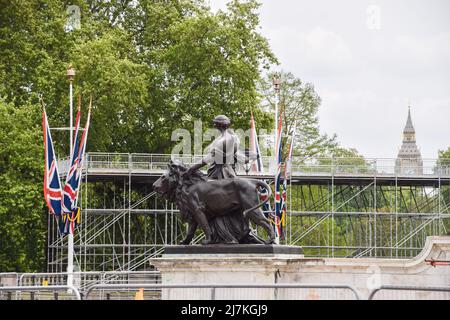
(232, 249)
(259, 264)
(223, 264)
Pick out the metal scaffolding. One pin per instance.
(337, 208)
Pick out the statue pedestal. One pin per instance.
(223, 264)
(243, 250)
(260, 264)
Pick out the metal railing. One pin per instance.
(85, 279)
(58, 278)
(71, 290)
(100, 291)
(213, 288)
(157, 163)
(408, 288)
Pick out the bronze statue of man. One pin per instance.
(222, 154)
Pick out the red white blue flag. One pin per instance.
(73, 179)
(52, 185)
(291, 151)
(70, 187)
(287, 170)
(278, 199)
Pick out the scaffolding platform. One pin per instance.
(146, 168)
(353, 208)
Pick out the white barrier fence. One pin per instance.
(144, 291)
(45, 292)
(412, 293)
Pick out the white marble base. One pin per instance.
(363, 274)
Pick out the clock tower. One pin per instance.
(409, 160)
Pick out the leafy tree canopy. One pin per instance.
(299, 104)
(22, 223)
(152, 66)
(444, 154)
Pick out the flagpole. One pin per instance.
(71, 76)
(276, 83)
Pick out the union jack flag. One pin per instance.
(291, 151)
(278, 199)
(287, 170)
(52, 185)
(73, 179)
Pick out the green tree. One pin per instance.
(444, 156)
(299, 104)
(202, 64)
(22, 223)
(34, 49)
(347, 160)
(444, 163)
(151, 66)
(119, 88)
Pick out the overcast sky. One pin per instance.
(367, 66)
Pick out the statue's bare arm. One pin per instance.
(195, 167)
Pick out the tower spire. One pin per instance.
(409, 159)
(409, 128)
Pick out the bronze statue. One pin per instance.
(223, 153)
(222, 208)
(220, 203)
